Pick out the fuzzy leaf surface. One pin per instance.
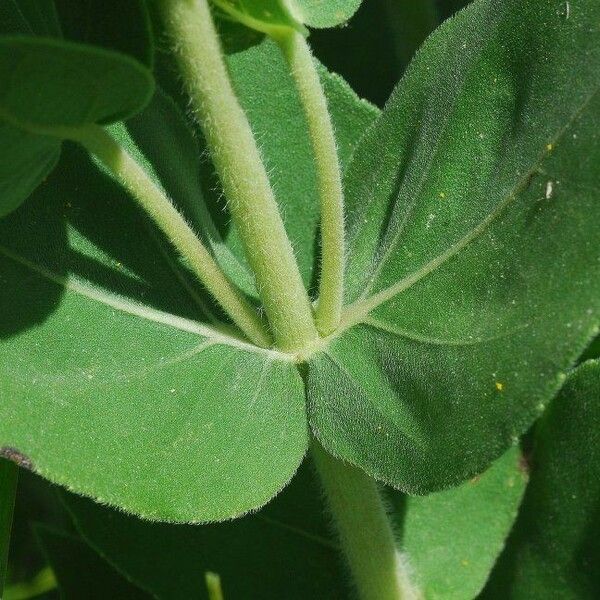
(181, 421)
(554, 545)
(115, 343)
(474, 268)
(79, 84)
(451, 539)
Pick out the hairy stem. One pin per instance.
(331, 285)
(243, 175)
(364, 530)
(9, 473)
(160, 208)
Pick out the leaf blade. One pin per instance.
(472, 323)
(554, 542)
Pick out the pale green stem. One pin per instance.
(213, 586)
(364, 530)
(9, 474)
(243, 175)
(331, 286)
(42, 583)
(160, 208)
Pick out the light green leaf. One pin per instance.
(79, 84)
(272, 17)
(474, 271)
(553, 549)
(182, 420)
(84, 256)
(80, 572)
(9, 473)
(324, 13)
(283, 551)
(46, 85)
(451, 539)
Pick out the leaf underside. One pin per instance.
(554, 544)
(473, 279)
(474, 271)
(117, 344)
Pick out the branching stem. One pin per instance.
(160, 208)
(331, 286)
(243, 175)
(364, 530)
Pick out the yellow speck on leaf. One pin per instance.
(442, 195)
(499, 386)
(464, 563)
(549, 147)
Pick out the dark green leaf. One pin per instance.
(9, 473)
(283, 551)
(112, 24)
(373, 51)
(553, 550)
(593, 350)
(25, 161)
(81, 573)
(31, 17)
(451, 539)
(49, 83)
(474, 248)
(448, 7)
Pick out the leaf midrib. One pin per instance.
(141, 311)
(356, 312)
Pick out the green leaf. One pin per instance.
(26, 160)
(274, 17)
(283, 551)
(324, 13)
(554, 545)
(267, 16)
(474, 272)
(182, 420)
(46, 85)
(451, 539)
(80, 572)
(9, 473)
(79, 84)
(593, 350)
(84, 256)
(112, 24)
(448, 7)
